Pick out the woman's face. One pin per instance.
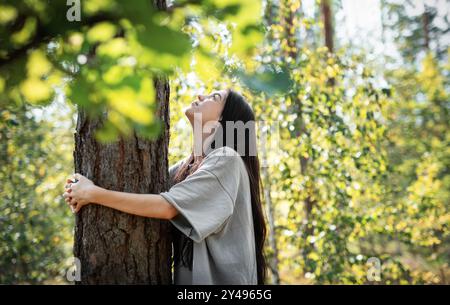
(207, 108)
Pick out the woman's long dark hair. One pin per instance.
(236, 109)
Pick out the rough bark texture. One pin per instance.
(114, 247)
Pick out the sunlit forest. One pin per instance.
(352, 99)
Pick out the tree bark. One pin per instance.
(115, 247)
(274, 262)
(290, 24)
(270, 16)
(426, 28)
(328, 24)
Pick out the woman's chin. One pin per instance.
(189, 112)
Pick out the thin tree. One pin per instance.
(270, 15)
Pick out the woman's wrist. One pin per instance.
(95, 193)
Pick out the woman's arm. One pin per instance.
(148, 205)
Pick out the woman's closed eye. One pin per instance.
(217, 97)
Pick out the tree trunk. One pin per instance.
(115, 247)
(274, 262)
(426, 28)
(327, 24)
(270, 16)
(290, 24)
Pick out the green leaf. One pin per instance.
(163, 39)
(268, 80)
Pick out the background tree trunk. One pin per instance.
(328, 24)
(426, 27)
(270, 211)
(115, 247)
(270, 19)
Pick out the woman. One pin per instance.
(214, 202)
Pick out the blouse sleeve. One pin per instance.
(205, 200)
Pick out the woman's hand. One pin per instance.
(84, 191)
(78, 194)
